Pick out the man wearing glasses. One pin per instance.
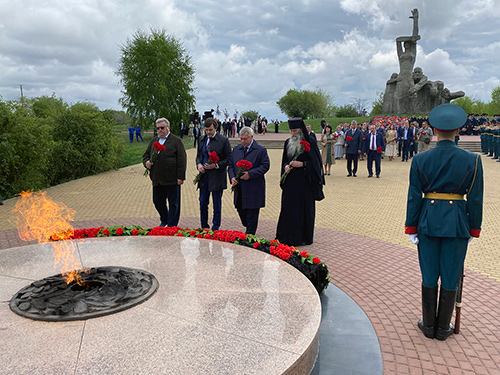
(167, 170)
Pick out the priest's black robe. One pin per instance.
(300, 189)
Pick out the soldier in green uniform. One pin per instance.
(444, 212)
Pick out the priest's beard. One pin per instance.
(294, 146)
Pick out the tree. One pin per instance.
(306, 104)
(347, 110)
(377, 104)
(494, 105)
(157, 77)
(470, 104)
(252, 115)
(360, 105)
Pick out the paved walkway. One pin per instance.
(362, 243)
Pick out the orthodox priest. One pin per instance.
(302, 181)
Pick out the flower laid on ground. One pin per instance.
(306, 147)
(312, 267)
(159, 148)
(213, 158)
(243, 166)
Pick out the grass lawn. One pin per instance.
(132, 152)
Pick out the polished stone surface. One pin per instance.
(219, 309)
(347, 341)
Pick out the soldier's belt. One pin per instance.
(444, 196)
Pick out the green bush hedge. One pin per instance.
(40, 148)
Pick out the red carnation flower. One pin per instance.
(212, 156)
(379, 149)
(105, 232)
(256, 245)
(192, 233)
(119, 231)
(243, 166)
(304, 254)
(316, 260)
(306, 146)
(208, 236)
(135, 232)
(158, 147)
(348, 138)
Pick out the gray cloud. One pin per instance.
(247, 54)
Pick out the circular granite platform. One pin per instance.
(219, 309)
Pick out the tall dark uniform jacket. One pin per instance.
(356, 143)
(170, 165)
(219, 144)
(254, 189)
(436, 170)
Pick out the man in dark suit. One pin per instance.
(214, 178)
(407, 140)
(250, 188)
(181, 128)
(438, 218)
(312, 134)
(400, 132)
(374, 146)
(196, 133)
(167, 170)
(353, 146)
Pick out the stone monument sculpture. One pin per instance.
(410, 91)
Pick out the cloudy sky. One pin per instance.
(248, 54)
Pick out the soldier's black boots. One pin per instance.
(445, 311)
(429, 303)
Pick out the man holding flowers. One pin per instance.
(249, 163)
(302, 181)
(213, 174)
(165, 159)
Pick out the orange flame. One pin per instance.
(41, 219)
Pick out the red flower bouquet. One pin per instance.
(306, 147)
(212, 159)
(348, 138)
(379, 149)
(243, 166)
(159, 148)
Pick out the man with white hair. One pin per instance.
(165, 158)
(250, 187)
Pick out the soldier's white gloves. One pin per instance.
(470, 240)
(414, 239)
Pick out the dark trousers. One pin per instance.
(441, 257)
(249, 217)
(352, 159)
(373, 156)
(171, 193)
(204, 201)
(196, 140)
(400, 146)
(406, 150)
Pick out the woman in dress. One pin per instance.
(327, 153)
(339, 136)
(390, 141)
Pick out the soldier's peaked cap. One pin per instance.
(447, 117)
